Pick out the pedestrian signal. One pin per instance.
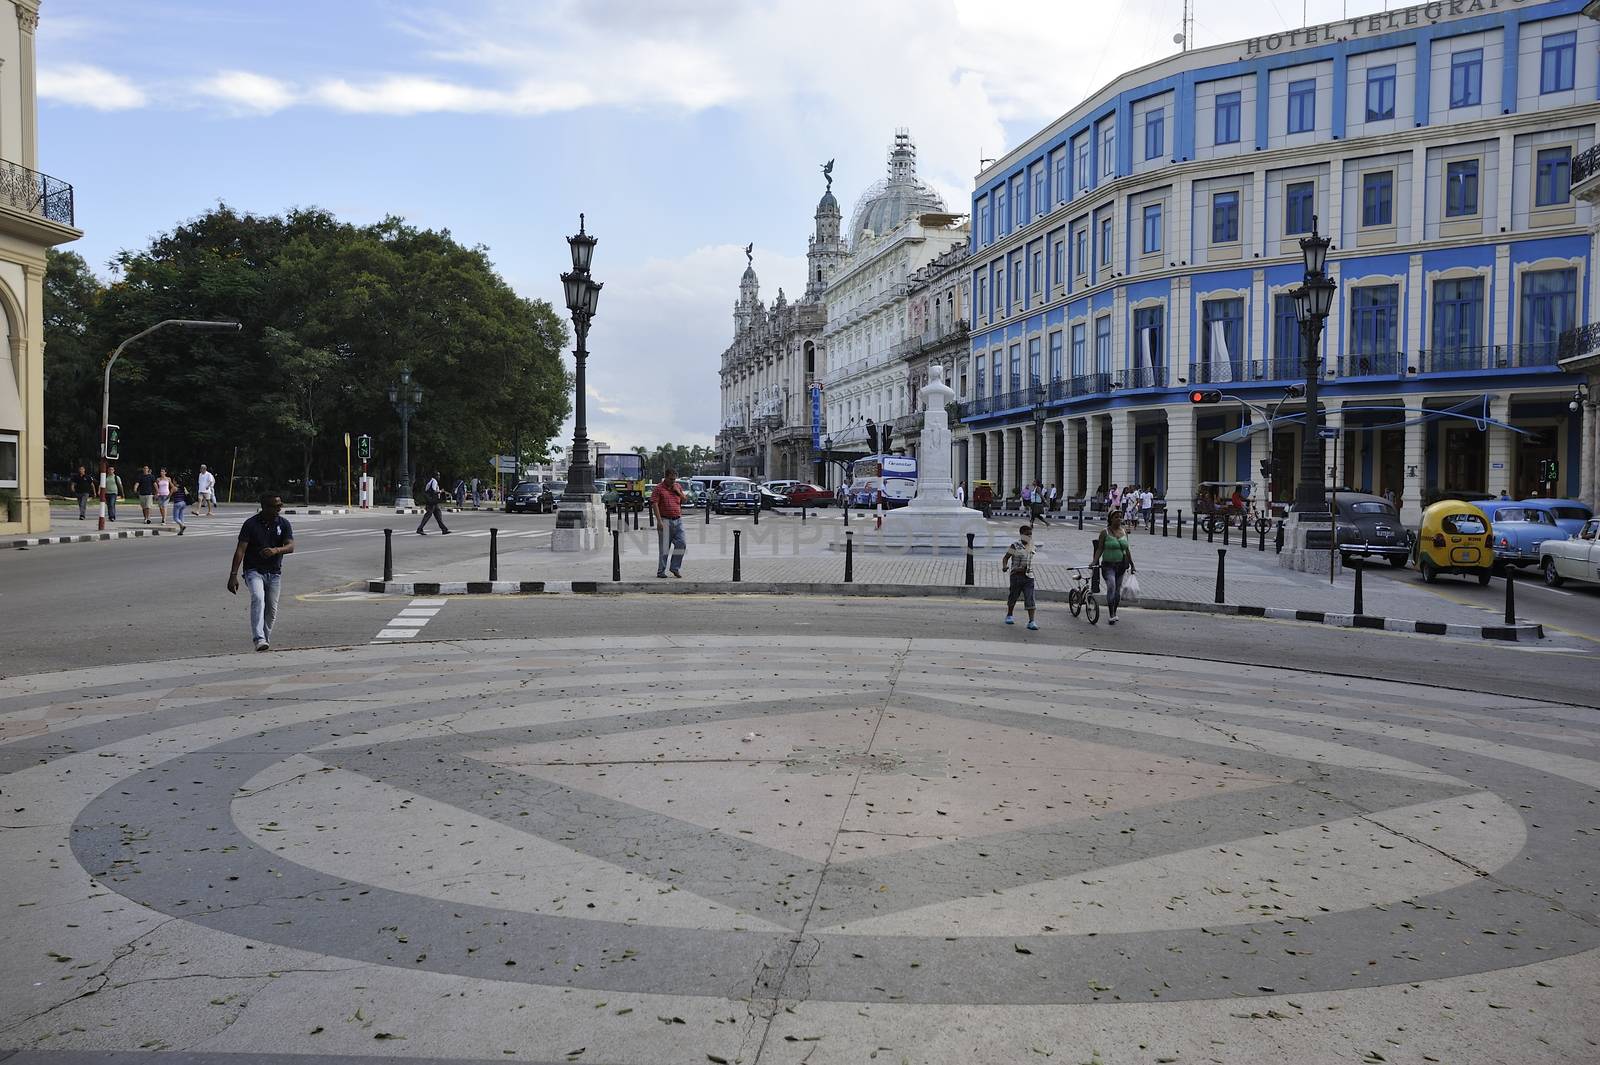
(1205, 396)
(113, 441)
(364, 447)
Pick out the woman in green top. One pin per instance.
(1114, 557)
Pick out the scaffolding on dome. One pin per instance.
(892, 200)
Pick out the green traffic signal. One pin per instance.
(113, 441)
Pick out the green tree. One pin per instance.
(73, 363)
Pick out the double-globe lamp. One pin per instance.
(1313, 299)
(405, 398)
(583, 297)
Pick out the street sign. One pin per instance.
(1328, 432)
(505, 463)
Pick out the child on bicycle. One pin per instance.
(1018, 560)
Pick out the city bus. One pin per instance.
(896, 475)
(621, 472)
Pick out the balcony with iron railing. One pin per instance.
(1584, 340)
(1586, 173)
(36, 194)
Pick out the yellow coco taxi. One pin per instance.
(1455, 538)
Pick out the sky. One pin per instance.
(683, 129)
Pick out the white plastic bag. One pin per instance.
(1130, 585)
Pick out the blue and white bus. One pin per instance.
(896, 475)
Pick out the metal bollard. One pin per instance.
(1194, 529)
(1211, 532)
(1152, 523)
(736, 555)
(1180, 524)
(1511, 596)
(1261, 538)
(608, 518)
(616, 554)
(1080, 518)
(970, 575)
(1163, 523)
(1227, 524)
(708, 510)
(758, 510)
(849, 558)
(388, 554)
(802, 512)
(1222, 555)
(494, 553)
(1356, 564)
(847, 512)
(636, 521)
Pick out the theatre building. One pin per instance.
(1147, 242)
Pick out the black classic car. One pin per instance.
(1369, 525)
(736, 497)
(531, 497)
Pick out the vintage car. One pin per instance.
(1369, 525)
(1454, 538)
(1574, 559)
(809, 495)
(1519, 529)
(772, 496)
(1570, 515)
(735, 496)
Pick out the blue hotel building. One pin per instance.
(1146, 243)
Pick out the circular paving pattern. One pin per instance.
(903, 821)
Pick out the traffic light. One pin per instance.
(364, 447)
(113, 441)
(1266, 469)
(1549, 470)
(1205, 396)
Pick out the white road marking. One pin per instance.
(413, 612)
(394, 634)
(411, 620)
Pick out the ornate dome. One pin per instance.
(828, 203)
(896, 198)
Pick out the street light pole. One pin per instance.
(578, 518)
(405, 398)
(105, 392)
(1312, 300)
(1040, 394)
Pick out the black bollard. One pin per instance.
(388, 554)
(616, 554)
(1211, 532)
(1180, 524)
(970, 575)
(1511, 595)
(849, 558)
(758, 510)
(608, 518)
(635, 521)
(847, 512)
(1163, 523)
(1194, 529)
(1278, 538)
(736, 555)
(1227, 524)
(1356, 563)
(802, 512)
(1080, 517)
(494, 553)
(1222, 554)
(708, 510)
(1261, 538)
(1152, 523)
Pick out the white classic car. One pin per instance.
(1576, 559)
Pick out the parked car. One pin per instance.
(527, 498)
(1454, 538)
(1519, 529)
(736, 497)
(1570, 515)
(1369, 525)
(1576, 558)
(809, 495)
(771, 497)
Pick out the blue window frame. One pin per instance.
(1058, 261)
(1227, 122)
(1229, 312)
(1019, 196)
(1040, 200)
(1155, 134)
(1225, 218)
(1461, 188)
(1377, 198)
(997, 376)
(1082, 161)
(1374, 319)
(1055, 355)
(1105, 242)
(1000, 303)
(1287, 344)
(1102, 344)
(1037, 288)
(1557, 58)
(983, 295)
(1552, 177)
(1033, 362)
(985, 224)
(1016, 367)
(979, 384)
(1299, 204)
(1152, 229)
(1457, 318)
(1303, 105)
(1002, 211)
(1147, 340)
(1466, 78)
(1078, 353)
(1060, 176)
(1108, 149)
(1082, 252)
(1380, 93)
(1549, 308)
(1018, 287)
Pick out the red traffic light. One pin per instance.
(1205, 396)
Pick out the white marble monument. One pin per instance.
(933, 520)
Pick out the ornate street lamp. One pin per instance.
(1040, 395)
(1313, 299)
(405, 398)
(578, 517)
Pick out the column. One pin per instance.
(1499, 473)
(1122, 449)
(1180, 486)
(1586, 455)
(1416, 459)
(1052, 471)
(30, 379)
(1030, 452)
(1097, 446)
(1008, 462)
(1069, 458)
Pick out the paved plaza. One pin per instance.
(733, 847)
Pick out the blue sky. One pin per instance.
(683, 128)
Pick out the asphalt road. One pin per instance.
(1573, 610)
(133, 601)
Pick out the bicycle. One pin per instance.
(1081, 599)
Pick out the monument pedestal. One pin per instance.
(404, 502)
(580, 525)
(1306, 544)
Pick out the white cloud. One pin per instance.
(249, 93)
(83, 85)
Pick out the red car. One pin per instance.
(809, 495)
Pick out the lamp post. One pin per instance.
(827, 446)
(1312, 301)
(105, 393)
(405, 398)
(1040, 394)
(577, 520)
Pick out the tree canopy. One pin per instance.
(331, 313)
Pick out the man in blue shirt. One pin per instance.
(263, 541)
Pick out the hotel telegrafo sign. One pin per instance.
(1373, 25)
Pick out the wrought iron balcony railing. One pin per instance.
(1372, 364)
(1579, 341)
(1585, 165)
(34, 193)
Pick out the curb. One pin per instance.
(319, 510)
(1518, 632)
(82, 538)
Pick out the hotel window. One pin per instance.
(1000, 290)
(1286, 340)
(978, 377)
(1102, 344)
(1038, 270)
(1228, 314)
(1033, 362)
(1374, 322)
(1377, 198)
(1040, 196)
(1081, 266)
(1108, 149)
(1303, 106)
(1466, 78)
(997, 375)
(1549, 308)
(1299, 204)
(1105, 242)
(1461, 188)
(1457, 323)
(1058, 261)
(1078, 353)
(1556, 60)
(1380, 93)
(1019, 196)
(1152, 229)
(1055, 355)
(1016, 367)
(983, 297)
(1552, 186)
(1083, 163)
(1147, 343)
(985, 224)
(1155, 134)
(1227, 122)
(1225, 218)
(1059, 157)
(1018, 291)
(1002, 211)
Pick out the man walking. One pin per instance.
(206, 485)
(83, 487)
(144, 486)
(430, 495)
(1018, 559)
(113, 490)
(263, 541)
(667, 504)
